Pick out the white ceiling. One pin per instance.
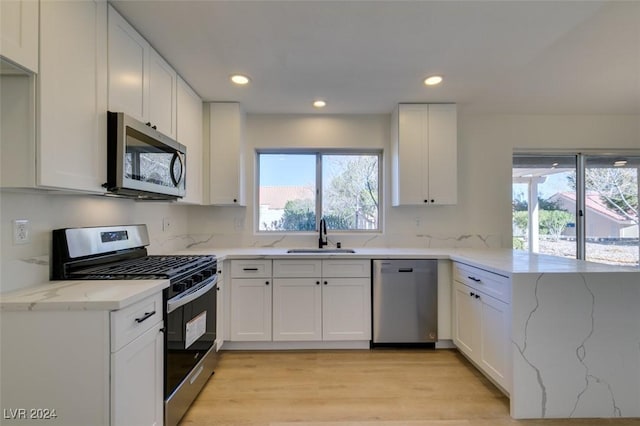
(547, 57)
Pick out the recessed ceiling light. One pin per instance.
(240, 79)
(319, 103)
(620, 163)
(433, 80)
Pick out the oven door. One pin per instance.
(191, 333)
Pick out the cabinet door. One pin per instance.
(494, 339)
(137, 380)
(466, 326)
(19, 32)
(412, 185)
(189, 134)
(297, 309)
(71, 150)
(346, 309)
(128, 68)
(424, 154)
(226, 163)
(250, 309)
(443, 154)
(162, 94)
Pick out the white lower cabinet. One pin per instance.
(294, 300)
(346, 309)
(250, 300)
(84, 367)
(250, 309)
(482, 329)
(297, 309)
(137, 380)
(329, 300)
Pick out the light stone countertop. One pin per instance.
(117, 294)
(81, 295)
(501, 261)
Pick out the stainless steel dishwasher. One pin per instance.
(405, 302)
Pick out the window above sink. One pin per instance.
(298, 188)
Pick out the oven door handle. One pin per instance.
(182, 300)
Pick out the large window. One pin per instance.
(297, 189)
(581, 206)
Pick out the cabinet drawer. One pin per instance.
(298, 268)
(345, 268)
(492, 284)
(251, 268)
(129, 323)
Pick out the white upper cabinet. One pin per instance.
(226, 145)
(424, 154)
(128, 68)
(19, 32)
(163, 82)
(72, 96)
(141, 83)
(189, 134)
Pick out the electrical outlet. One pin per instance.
(21, 231)
(166, 224)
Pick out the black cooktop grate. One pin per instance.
(167, 266)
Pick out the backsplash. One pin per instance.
(418, 240)
(25, 265)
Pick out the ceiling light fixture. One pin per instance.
(620, 163)
(433, 80)
(240, 79)
(319, 103)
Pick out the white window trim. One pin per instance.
(319, 153)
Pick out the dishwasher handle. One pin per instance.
(405, 269)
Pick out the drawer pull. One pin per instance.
(145, 317)
(474, 279)
(249, 269)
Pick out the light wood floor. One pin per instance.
(355, 388)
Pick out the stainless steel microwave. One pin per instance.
(143, 163)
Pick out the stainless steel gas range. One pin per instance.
(118, 253)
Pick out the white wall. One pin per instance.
(482, 217)
(28, 264)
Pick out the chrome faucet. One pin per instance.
(322, 230)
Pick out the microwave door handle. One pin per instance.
(176, 179)
(179, 301)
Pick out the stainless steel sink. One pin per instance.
(320, 251)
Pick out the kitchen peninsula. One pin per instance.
(574, 345)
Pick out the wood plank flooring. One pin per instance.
(355, 388)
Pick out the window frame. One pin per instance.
(319, 153)
(581, 160)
